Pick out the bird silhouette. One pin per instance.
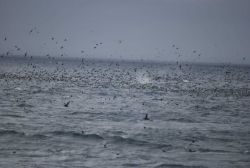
(146, 117)
(66, 104)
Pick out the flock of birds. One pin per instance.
(61, 74)
(52, 38)
(61, 46)
(53, 76)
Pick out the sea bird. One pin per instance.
(66, 104)
(146, 117)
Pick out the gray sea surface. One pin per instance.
(91, 113)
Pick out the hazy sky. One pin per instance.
(218, 30)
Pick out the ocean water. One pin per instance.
(90, 114)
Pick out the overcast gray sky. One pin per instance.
(168, 30)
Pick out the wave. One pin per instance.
(221, 92)
(22, 134)
(135, 142)
(131, 165)
(165, 165)
(184, 120)
(11, 132)
(12, 115)
(206, 150)
(45, 135)
(76, 134)
(25, 105)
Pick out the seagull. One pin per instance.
(66, 104)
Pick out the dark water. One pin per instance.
(69, 113)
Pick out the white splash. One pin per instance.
(18, 88)
(143, 78)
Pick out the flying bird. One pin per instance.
(66, 104)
